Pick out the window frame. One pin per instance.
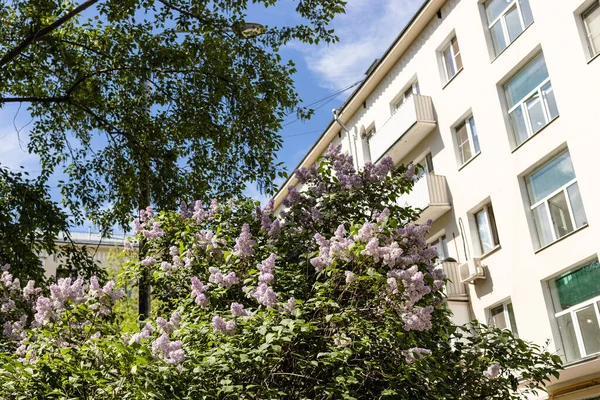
(502, 19)
(453, 56)
(506, 312)
(471, 139)
(572, 312)
(545, 202)
(491, 219)
(539, 94)
(411, 90)
(584, 15)
(443, 242)
(427, 162)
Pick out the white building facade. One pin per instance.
(498, 101)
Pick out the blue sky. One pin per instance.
(365, 31)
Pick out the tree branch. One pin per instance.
(58, 99)
(41, 33)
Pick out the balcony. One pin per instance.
(455, 289)
(409, 125)
(430, 194)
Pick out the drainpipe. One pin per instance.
(336, 115)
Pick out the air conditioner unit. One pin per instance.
(471, 270)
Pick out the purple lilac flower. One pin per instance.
(148, 261)
(243, 244)
(226, 327)
(291, 304)
(383, 215)
(275, 229)
(350, 277)
(265, 295)
(417, 319)
(217, 277)
(128, 246)
(267, 269)
(199, 292)
(143, 334)
(492, 371)
(237, 310)
(415, 353)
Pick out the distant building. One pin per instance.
(498, 101)
(95, 244)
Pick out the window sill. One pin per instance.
(451, 79)
(561, 239)
(492, 251)
(506, 48)
(593, 58)
(535, 134)
(469, 161)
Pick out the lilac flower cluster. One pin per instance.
(237, 310)
(417, 319)
(217, 277)
(267, 269)
(169, 326)
(200, 214)
(199, 292)
(416, 353)
(141, 335)
(243, 244)
(146, 224)
(493, 371)
(170, 352)
(265, 295)
(330, 250)
(374, 172)
(350, 277)
(226, 327)
(290, 305)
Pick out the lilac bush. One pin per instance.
(335, 296)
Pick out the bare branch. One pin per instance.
(59, 99)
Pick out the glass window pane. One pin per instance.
(513, 24)
(537, 118)
(577, 205)
(590, 331)
(457, 57)
(519, 126)
(559, 210)
(592, 25)
(465, 152)
(554, 174)
(498, 318)
(526, 12)
(548, 94)
(513, 321)
(493, 9)
(474, 134)
(484, 230)
(542, 225)
(498, 37)
(570, 347)
(527, 79)
(577, 286)
(449, 62)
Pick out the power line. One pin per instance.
(302, 133)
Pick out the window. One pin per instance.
(486, 229)
(503, 317)
(591, 23)
(530, 99)
(407, 95)
(576, 299)
(555, 200)
(425, 166)
(441, 245)
(451, 59)
(467, 140)
(506, 20)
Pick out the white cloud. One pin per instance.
(13, 141)
(366, 30)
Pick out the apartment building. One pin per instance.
(499, 101)
(99, 247)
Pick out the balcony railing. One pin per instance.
(430, 194)
(411, 122)
(454, 289)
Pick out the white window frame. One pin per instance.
(453, 57)
(589, 10)
(410, 91)
(574, 309)
(502, 19)
(427, 161)
(524, 110)
(545, 202)
(506, 313)
(443, 241)
(492, 224)
(470, 140)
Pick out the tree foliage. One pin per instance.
(141, 101)
(30, 223)
(313, 303)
